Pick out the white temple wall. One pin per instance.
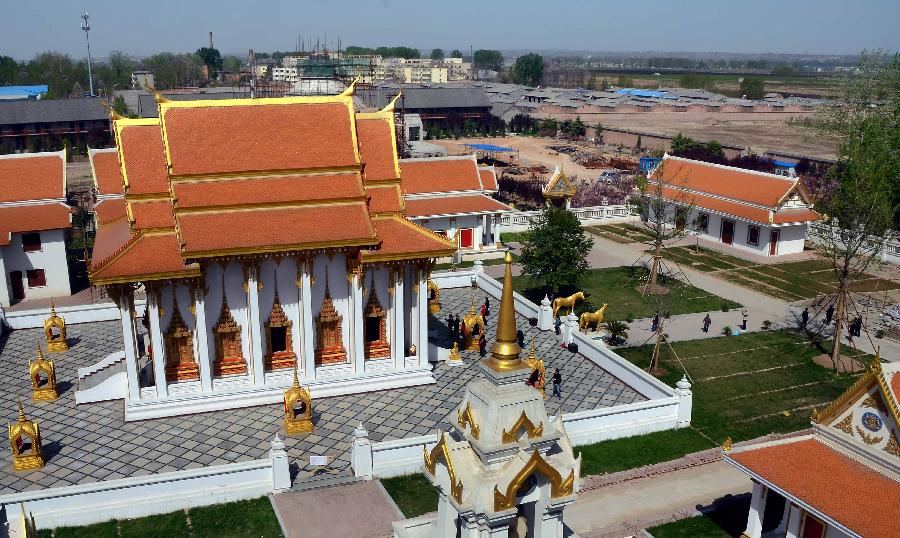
(408, 301)
(284, 276)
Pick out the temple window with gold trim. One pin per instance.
(229, 354)
(279, 340)
(178, 340)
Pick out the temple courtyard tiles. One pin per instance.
(92, 442)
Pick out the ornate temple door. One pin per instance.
(727, 231)
(774, 236)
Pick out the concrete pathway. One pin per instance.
(602, 511)
(361, 510)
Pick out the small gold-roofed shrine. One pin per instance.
(505, 468)
(297, 408)
(43, 378)
(55, 331)
(257, 223)
(434, 297)
(25, 443)
(472, 327)
(559, 189)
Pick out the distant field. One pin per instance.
(729, 83)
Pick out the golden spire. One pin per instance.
(296, 383)
(21, 412)
(505, 351)
(40, 355)
(52, 309)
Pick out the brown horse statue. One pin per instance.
(591, 317)
(568, 302)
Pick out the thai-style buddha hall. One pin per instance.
(267, 233)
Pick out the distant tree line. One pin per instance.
(407, 53)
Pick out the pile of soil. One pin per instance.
(845, 363)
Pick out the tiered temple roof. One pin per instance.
(449, 186)
(33, 193)
(254, 176)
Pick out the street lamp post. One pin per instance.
(85, 25)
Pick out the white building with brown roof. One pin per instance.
(452, 196)
(766, 214)
(33, 220)
(841, 480)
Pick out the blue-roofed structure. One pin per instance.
(23, 92)
(490, 147)
(646, 93)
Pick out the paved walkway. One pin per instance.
(601, 511)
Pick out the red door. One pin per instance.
(773, 242)
(813, 528)
(465, 237)
(727, 231)
(18, 287)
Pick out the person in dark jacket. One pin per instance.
(557, 382)
(655, 325)
(804, 317)
(482, 344)
(829, 314)
(520, 337)
(707, 321)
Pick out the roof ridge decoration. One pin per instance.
(431, 458)
(559, 486)
(559, 185)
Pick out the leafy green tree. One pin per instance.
(232, 63)
(488, 59)
(554, 251)
(120, 106)
(618, 331)
(173, 70)
(456, 53)
(212, 59)
(9, 70)
(528, 70)
(753, 88)
(437, 54)
(58, 72)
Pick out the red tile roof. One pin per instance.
(725, 181)
(32, 176)
(107, 172)
(109, 240)
(144, 256)
(109, 210)
(145, 162)
(267, 190)
(744, 211)
(895, 386)
(377, 149)
(152, 215)
(402, 239)
(786, 215)
(849, 492)
(488, 179)
(439, 175)
(275, 229)
(247, 136)
(384, 199)
(33, 218)
(453, 205)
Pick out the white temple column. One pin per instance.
(125, 302)
(494, 223)
(445, 523)
(410, 272)
(398, 338)
(422, 311)
(159, 348)
(256, 340)
(306, 318)
(757, 509)
(356, 322)
(203, 356)
(794, 517)
(478, 235)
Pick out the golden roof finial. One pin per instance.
(350, 89)
(40, 355)
(296, 383)
(21, 412)
(505, 351)
(531, 354)
(52, 309)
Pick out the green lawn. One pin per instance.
(470, 263)
(617, 286)
(621, 233)
(692, 527)
(790, 281)
(413, 494)
(241, 519)
(632, 452)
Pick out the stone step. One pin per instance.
(323, 480)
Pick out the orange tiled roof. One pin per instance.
(107, 172)
(109, 210)
(488, 179)
(725, 181)
(32, 176)
(800, 214)
(143, 256)
(852, 494)
(403, 239)
(453, 205)
(744, 211)
(385, 199)
(145, 163)
(109, 240)
(275, 229)
(152, 215)
(218, 138)
(33, 218)
(439, 175)
(267, 190)
(895, 386)
(377, 148)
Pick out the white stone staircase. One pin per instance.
(103, 380)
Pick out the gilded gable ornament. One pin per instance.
(25, 443)
(55, 331)
(846, 425)
(893, 446)
(523, 423)
(43, 378)
(178, 340)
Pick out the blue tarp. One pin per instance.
(643, 93)
(489, 147)
(30, 91)
(649, 163)
(784, 164)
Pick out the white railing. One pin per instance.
(889, 250)
(517, 221)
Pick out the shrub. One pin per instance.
(726, 330)
(667, 314)
(766, 325)
(879, 333)
(629, 317)
(724, 307)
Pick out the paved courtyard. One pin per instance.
(92, 442)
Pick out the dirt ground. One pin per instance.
(78, 175)
(760, 131)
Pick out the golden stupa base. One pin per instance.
(45, 394)
(56, 347)
(27, 463)
(293, 427)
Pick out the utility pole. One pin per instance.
(85, 25)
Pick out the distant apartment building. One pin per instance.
(142, 80)
(285, 74)
(36, 125)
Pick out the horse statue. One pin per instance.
(584, 322)
(568, 302)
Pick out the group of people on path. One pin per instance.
(854, 328)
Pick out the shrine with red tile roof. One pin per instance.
(841, 480)
(269, 235)
(763, 213)
(34, 217)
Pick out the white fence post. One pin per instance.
(281, 470)
(685, 402)
(361, 455)
(545, 315)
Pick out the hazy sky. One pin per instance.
(147, 26)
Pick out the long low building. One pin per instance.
(754, 211)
